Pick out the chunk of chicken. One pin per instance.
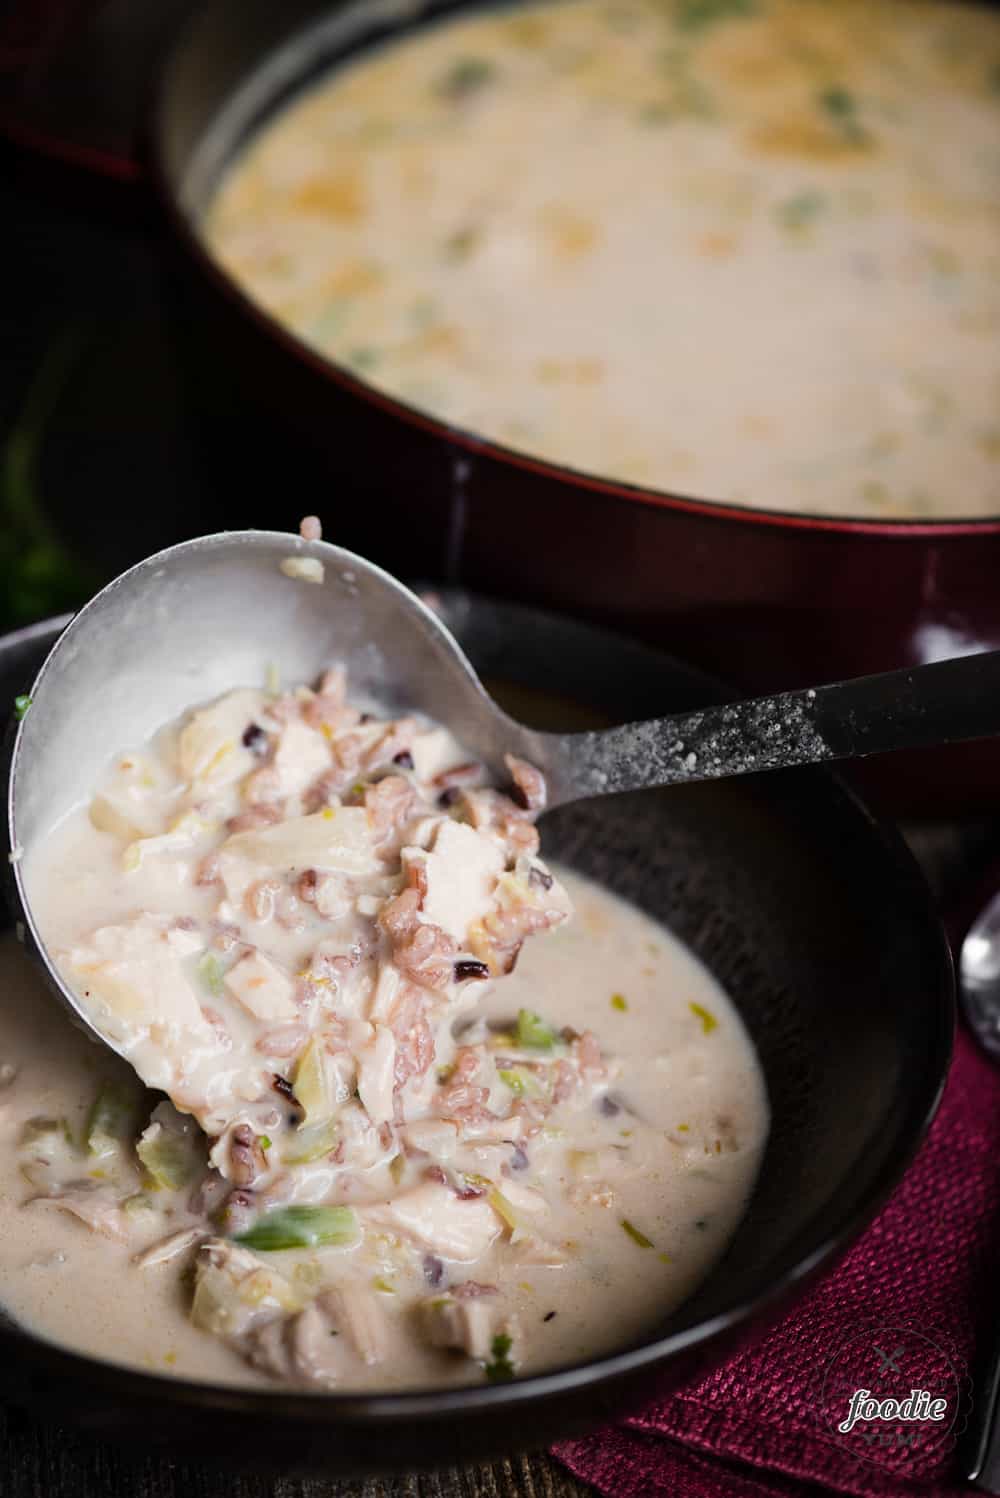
(262, 988)
(434, 1218)
(466, 1325)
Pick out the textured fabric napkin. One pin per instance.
(759, 1425)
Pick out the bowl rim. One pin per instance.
(153, 152)
(368, 1409)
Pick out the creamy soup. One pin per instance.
(747, 249)
(386, 1157)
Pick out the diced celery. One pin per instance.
(302, 1227)
(312, 1143)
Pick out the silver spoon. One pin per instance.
(191, 622)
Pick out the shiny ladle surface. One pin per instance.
(200, 618)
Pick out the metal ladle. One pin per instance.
(200, 618)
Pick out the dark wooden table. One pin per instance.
(42, 1461)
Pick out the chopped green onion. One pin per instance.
(264, 1141)
(211, 973)
(302, 1227)
(533, 1033)
(664, 1258)
(111, 1121)
(500, 1368)
(635, 1234)
(708, 1019)
(619, 1001)
(21, 705)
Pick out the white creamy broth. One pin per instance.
(746, 249)
(424, 1164)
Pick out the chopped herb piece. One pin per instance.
(695, 15)
(800, 210)
(548, 1315)
(21, 705)
(635, 1234)
(466, 77)
(211, 973)
(383, 1286)
(708, 1019)
(841, 108)
(397, 1168)
(265, 1142)
(363, 359)
(446, 1072)
(461, 245)
(838, 102)
(683, 1128)
(110, 1123)
(500, 1369)
(619, 1001)
(664, 1258)
(533, 1033)
(301, 1227)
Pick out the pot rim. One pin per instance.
(152, 149)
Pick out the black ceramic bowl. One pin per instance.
(815, 919)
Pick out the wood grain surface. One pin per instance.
(44, 1461)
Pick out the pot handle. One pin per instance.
(77, 78)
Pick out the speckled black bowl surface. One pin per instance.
(815, 919)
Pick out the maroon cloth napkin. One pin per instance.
(756, 1426)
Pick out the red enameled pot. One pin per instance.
(764, 598)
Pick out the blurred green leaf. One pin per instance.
(38, 573)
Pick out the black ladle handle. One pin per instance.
(943, 703)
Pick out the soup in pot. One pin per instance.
(744, 249)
